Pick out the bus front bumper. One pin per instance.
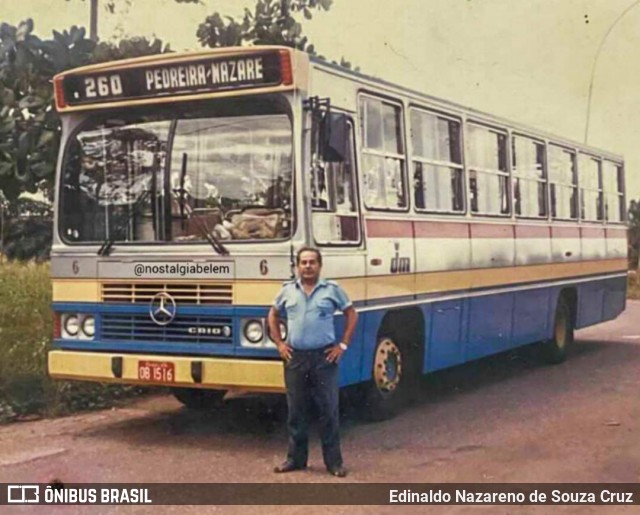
(193, 372)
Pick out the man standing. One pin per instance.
(311, 358)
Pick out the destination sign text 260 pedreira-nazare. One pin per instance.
(181, 78)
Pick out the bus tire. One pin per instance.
(384, 394)
(554, 350)
(199, 398)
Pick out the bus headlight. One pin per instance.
(89, 326)
(253, 331)
(70, 325)
(283, 332)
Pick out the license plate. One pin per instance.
(156, 371)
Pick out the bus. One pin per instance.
(186, 183)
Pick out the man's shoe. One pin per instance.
(338, 471)
(288, 466)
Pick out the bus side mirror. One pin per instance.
(335, 138)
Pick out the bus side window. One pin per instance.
(590, 169)
(488, 172)
(613, 191)
(529, 177)
(437, 163)
(563, 184)
(383, 159)
(334, 200)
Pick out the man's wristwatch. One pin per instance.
(343, 346)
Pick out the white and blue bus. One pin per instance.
(186, 182)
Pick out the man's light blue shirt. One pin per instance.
(310, 318)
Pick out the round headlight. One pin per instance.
(283, 332)
(253, 331)
(89, 326)
(71, 325)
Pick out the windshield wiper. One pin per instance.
(215, 243)
(105, 248)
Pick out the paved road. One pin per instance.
(503, 419)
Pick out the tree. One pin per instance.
(110, 6)
(127, 48)
(633, 234)
(29, 123)
(272, 22)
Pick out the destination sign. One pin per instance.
(183, 78)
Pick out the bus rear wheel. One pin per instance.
(199, 398)
(383, 394)
(554, 351)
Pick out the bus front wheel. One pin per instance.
(554, 350)
(383, 394)
(199, 398)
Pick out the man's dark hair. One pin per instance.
(309, 249)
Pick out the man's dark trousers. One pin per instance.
(308, 377)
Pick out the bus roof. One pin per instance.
(445, 104)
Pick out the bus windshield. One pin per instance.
(154, 178)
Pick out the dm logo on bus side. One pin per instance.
(399, 265)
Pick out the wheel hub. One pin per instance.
(387, 369)
(561, 330)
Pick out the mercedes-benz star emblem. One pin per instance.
(162, 308)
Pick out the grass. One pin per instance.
(26, 326)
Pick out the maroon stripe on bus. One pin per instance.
(491, 231)
(389, 228)
(532, 231)
(441, 230)
(565, 232)
(613, 234)
(592, 232)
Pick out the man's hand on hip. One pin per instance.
(334, 353)
(285, 351)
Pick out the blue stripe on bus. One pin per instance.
(456, 330)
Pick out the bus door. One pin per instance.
(336, 224)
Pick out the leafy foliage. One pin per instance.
(27, 232)
(128, 48)
(633, 235)
(30, 125)
(272, 22)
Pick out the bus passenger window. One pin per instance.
(529, 177)
(382, 155)
(488, 173)
(612, 186)
(437, 163)
(563, 183)
(591, 188)
(334, 200)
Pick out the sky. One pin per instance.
(526, 60)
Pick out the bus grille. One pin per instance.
(183, 293)
(183, 329)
